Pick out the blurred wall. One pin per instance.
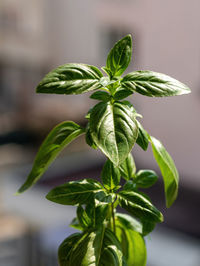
(166, 39)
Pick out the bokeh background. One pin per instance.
(37, 36)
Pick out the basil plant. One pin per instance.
(108, 237)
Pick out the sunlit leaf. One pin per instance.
(128, 168)
(168, 170)
(71, 79)
(54, 143)
(75, 192)
(114, 129)
(139, 206)
(153, 84)
(119, 57)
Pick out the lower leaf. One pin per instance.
(133, 246)
(65, 248)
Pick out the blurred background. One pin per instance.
(37, 36)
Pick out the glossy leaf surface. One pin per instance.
(128, 222)
(99, 247)
(111, 251)
(110, 175)
(119, 57)
(153, 84)
(128, 168)
(143, 137)
(54, 143)
(122, 94)
(101, 96)
(168, 170)
(139, 206)
(145, 178)
(66, 247)
(75, 192)
(133, 245)
(71, 79)
(114, 129)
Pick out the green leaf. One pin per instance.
(88, 138)
(99, 247)
(119, 57)
(71, 79)
(128, 222)
(110, 175)
(101, 96)
(121, 94)
(153, 84)
(168, 170)
(139, 206)
(128, 168)
(54, 143)
(66, 247)
(75, 192)
(147, 227)
(114, 129)
(76, 225)
(111, 253)
(85, 216)
(143, 137)
(130, 186)
(133, 245)
(145, 178)
(87, 250)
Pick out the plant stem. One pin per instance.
(113, 218)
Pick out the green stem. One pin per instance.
(113, 218)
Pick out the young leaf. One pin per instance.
(143, 137)
(114, 129)
(128, 168)
(130, 186)
(133, 245)
(75, 192)
(71, 79)
(119, 57)
(110, 175)
(139, 206)
(168, 170)
(153, 84)
(54, 143)
(145, 178)
(122, 94)
(76, 225)
(101, 96)
(65, 248)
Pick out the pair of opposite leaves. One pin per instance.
(113, 124)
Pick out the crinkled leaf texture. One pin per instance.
(119, 57)
(71, 79)
(55, 142)
(132, 242)
(75, 192)
(95, 248)
(168, 170)
(153, 84)
(114, 129)
(139, 206)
